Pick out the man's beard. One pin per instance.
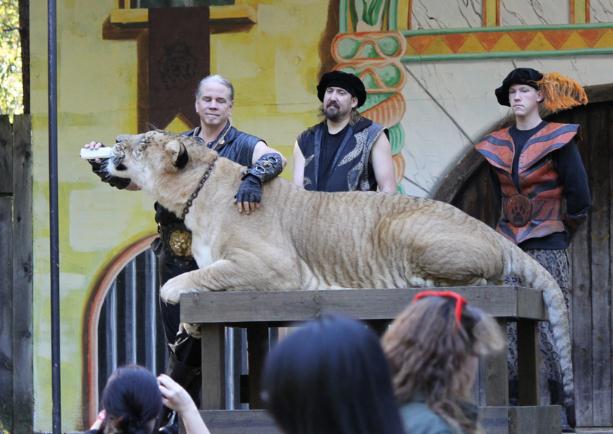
(333, 113)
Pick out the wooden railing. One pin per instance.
(258, 310)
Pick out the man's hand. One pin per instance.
(98, 167)
(249, 194)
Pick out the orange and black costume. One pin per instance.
(537, 172)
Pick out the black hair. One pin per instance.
(131, 399)
(330, 376)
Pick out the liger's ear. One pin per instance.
(178, 152)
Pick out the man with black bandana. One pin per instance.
(214, 101)
(346, 151)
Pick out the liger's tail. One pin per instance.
(533, 275)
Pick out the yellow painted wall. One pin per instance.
(273, 66)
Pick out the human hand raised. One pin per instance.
(174, 396)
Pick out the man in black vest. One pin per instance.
(214, 101)
(346, 151)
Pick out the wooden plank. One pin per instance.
(239, 421)
(494, 420)
(23, 392)
(581, 305)
(6, 315)
(6, 156)
(527, 363)
(229, 14)
(129, 16)
(213, 367)
(600, 263)
(495, 378)
(600, 93)
(535, 420)
(238, 306)
(609, 137)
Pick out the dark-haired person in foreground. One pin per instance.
(132, 400)
(330, 376)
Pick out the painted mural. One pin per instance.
(430, 68)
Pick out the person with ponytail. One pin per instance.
(433, 348)
(543, 188)
(132, 401)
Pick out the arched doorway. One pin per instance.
(123, 326)
(121, 323)
(468, 187)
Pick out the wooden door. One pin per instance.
(590, 252)
(16, 362)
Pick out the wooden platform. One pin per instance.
(259, 310)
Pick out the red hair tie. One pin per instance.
(459, 301)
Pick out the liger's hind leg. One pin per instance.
(458, 259)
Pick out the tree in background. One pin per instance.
(11, 84)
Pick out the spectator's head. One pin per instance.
(330, 376)
(132, 401)
(433, 348)
(214, 100)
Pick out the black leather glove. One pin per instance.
(113, 181)
(267, 167)
(250, 190)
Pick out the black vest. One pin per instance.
(351, 168)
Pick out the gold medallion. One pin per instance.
(180, 242)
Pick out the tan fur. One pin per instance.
(312, 240)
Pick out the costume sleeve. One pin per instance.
(245, 152)
(574, 179)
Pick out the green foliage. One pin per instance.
(11, 86)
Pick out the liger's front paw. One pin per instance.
(172, 290)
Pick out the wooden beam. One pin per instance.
(238, 14)
(230, 307)
(129, 16)
(495, 377)
(243, 421)
(495, 420)
(22, 261)
(213, 366)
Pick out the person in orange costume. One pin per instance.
(541, 181)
